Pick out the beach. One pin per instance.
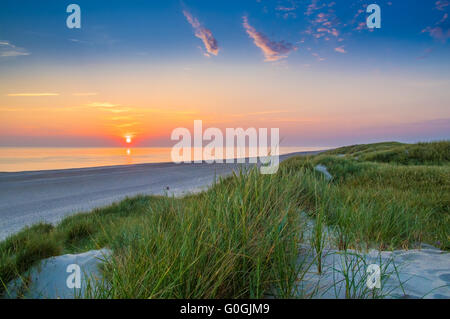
(48, 196)
(326, 214)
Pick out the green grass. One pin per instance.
(236, 240)
(240, 238)
(436, 153)
(387, 204)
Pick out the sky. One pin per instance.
(140, 69)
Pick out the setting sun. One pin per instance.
(128, 139)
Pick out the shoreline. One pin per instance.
(332, 257)
(282, 156)
(30, 197)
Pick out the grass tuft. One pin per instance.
(240, 239)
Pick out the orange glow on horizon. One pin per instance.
(135, 113)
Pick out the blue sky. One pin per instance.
(114, 29)
(280, 49)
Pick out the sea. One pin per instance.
(18, 159)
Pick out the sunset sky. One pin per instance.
(143, 68)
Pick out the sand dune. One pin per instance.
(30, 197)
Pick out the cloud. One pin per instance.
(438, 33)
(361, 26)
(80, 41)
(113, 110)
(273, 51)
(440, 30)
(442, 5)
(425, 54)
(32, 94)
(444, 18)
(270, 112)
(288, 10)
(102, 104)
(128, 124)
(314, 6)
(121, 118)
(323, 22)
(109, 107)
(340, 49)
(318, 57)
(84, 94)
(204, 34)
(10, 50)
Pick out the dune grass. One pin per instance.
(240, 238)
(235, 240)
(375, 202)
(435, 153)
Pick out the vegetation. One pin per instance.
(240, 238)
(436, 153)
(381, 200)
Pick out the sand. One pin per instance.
(51, 195)
(423, 273)
(48, 280)
(324, 171)
(27, 198)
(412, 274)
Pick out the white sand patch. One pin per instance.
(324, 171)
(418, 273)
(421, 273)
(49, 278)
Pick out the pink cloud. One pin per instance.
(438, 33)
(273, 51)
(444, 18)
(361, 26)
(314, 7)
(442, 4)
(204, 34)
(340, 49)
(318, 57)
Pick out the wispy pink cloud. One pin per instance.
(312, 7)
(288, 9)
(203, 33)
(438, 33)
(340, 49)
(440, 30)
(442, 4)
(425, 54)
(272, 50)
(323, 21)
(318, 57)
(444, 18)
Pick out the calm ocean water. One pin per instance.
(33, 159)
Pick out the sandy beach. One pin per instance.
(49, 196)
(27, 198)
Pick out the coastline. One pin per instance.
(30, 197)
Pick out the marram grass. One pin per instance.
(240, 239)
(236, 240)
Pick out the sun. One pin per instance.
(128, 139)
